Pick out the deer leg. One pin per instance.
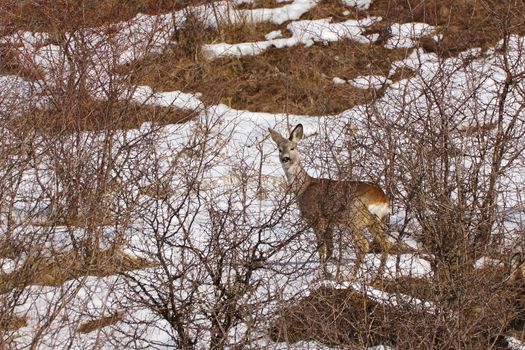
(329, 241)
(378, 230)
(324, 245)
(362, 249)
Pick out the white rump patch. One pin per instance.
(380, 209)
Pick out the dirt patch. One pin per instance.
(99, 323)
(61, 267)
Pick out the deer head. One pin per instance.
(288, 147)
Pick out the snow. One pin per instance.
(369, 82)
(405, 35)
(338, 81)
(486, 261)
(144, 95)
(514, 344)
(222, 12)
(279, 15)
(125, 42)
(7, 265)
(273, 35)
(359, 4)
(306, 32)
(236, 133)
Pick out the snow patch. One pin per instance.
(274, 35)
(306, 32)
(369, 82)
(338, 81)
(405, 35)
(359, 4)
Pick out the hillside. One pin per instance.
(143, 204)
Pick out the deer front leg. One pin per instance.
(324, 235)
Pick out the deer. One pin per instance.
(351, 206)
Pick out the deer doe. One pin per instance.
(325, 204)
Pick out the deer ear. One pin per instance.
(297, 133)
(276, 137)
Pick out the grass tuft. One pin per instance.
(99, 323)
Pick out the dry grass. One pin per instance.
(99, 323)
(342, 317)
(9, 249)
(332, 8)
(89, 115)
(11, 323)
(104, 217)
(413, 286)
(267, 4)
(293, 80)
(298, 79)
(346, 318)
(65, 15)
(246, 32)
(61, 267)
(464, 24)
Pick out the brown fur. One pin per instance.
(325, 204)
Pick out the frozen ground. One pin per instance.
(143, 34)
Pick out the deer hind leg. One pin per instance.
(362, 249)
(378, 230)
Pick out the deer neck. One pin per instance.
(297, 177)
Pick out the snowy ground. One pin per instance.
(246, 129)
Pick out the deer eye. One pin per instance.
(280, 150)
(291, 149)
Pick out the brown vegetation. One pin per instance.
(11, 323)
(60, 267)
(299, 80)
(333, 9)
(342, 317)
(464, 24)
(267, 4)
(487, 305)
(65, 15)
(478, 319)
(451, 208)
(293, 80)
(93, 325)
(90, 115)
